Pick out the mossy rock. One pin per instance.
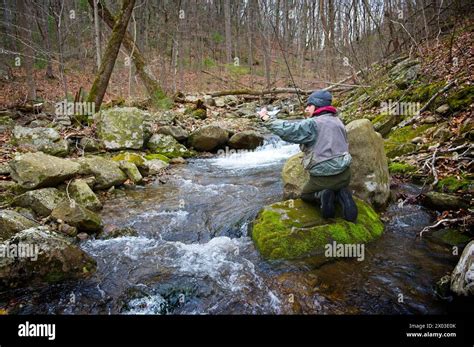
(399, 141)
(131, 157)
(453, 184)
(449, 237)
(461, 98)
(401, 168)
(154, 156)
(294, 229)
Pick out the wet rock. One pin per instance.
(462, 277)
(167, 146)
(176, 131)
(77, 215)
(39, 139)
(82, 193)
(208, 138)
(246, 140)
(113, 231)
(294, 229)
(49, 258)
(369, 168)
(178, 161)
(448, 237)
(12, 222)
(154, 166)
(106, 172)
(121, 127)
(442, 201)
(41, 201)
(131, 171)
(37, 170)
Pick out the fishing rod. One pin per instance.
(286, 63)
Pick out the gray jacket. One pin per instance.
(323, 140)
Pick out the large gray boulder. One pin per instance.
(176, 131)
(370, 178)
(167, 146)
(208, 138)
(462, 278)
(78, 216)
(37, 170)
(41, 201)
(248, 139)
(107, 172)
(43, 257)
(11, 222)
(121, 127)
(40, 139)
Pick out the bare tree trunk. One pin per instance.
(228, 33)
(143, 70)
(97, 33)
(101, 81)
(28, 54)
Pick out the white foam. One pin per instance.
(265, 155)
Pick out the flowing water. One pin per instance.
(194, 255)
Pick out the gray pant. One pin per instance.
(319, 183)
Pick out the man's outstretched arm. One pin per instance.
(304, 131)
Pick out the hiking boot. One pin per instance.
(349, 208)
(328, 198)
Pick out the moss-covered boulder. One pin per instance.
(106, 172)
(121, 127)
(82, 193)
(41, 201)
(12, 222)
(208, 138)
(78, 216)
(295, 229)
(38, 170)
(45, 140)
(167, 145)
(43, 257)
(131, 171)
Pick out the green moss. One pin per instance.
(134, 158)
(294, 229)
(399, 141)
(401, 168)
(450, 237)
(461, 98)
(157, 156)
(161, 100)
(423, 92)
(453, 184)
(199, 113)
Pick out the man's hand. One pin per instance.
(263, 114)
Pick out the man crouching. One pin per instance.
(323, 139)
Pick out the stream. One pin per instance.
(194, 255)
